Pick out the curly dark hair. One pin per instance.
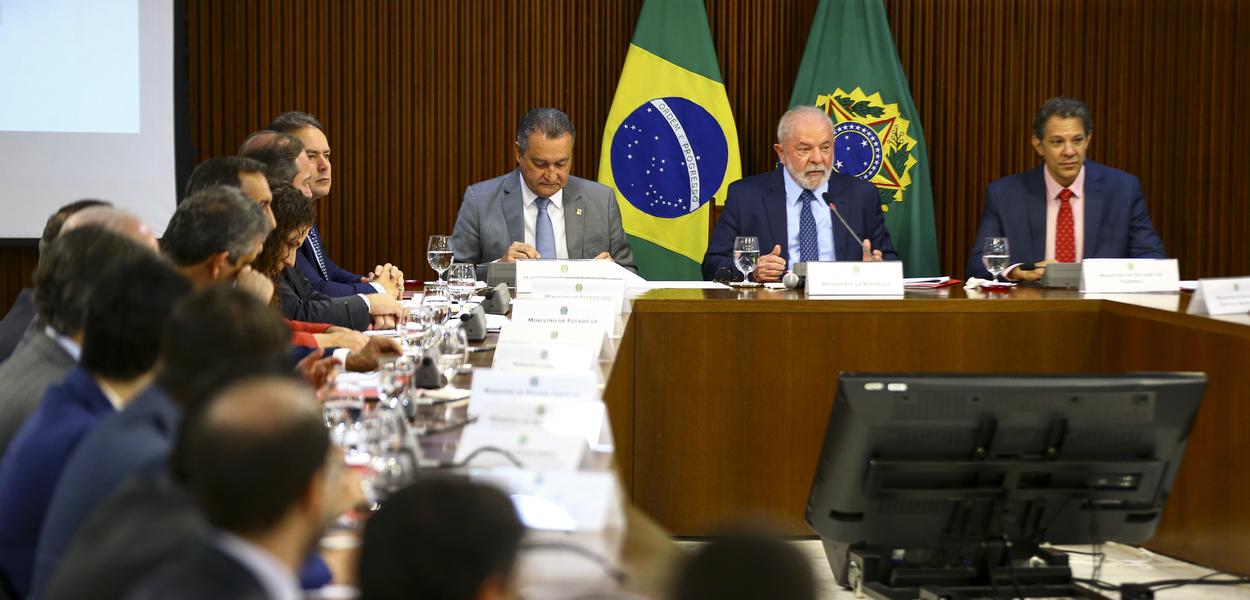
(293, 213)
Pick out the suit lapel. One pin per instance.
(573, 230)
(1093, 205)
(775, 214)
(1035, 212)
(512, 205)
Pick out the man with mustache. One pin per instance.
(789, 211)
(1069, 208)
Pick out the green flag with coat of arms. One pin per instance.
(851, 70)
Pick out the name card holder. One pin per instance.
(526, 270)
(855, 278)
(535, 449)
(576, 312)
(1221, 296)
(569, 289)
(1129, 275)
(593, 338)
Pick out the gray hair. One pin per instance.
(294, 120)
(216, 219)
(550, 122)
(1064, 107)
(786, 124)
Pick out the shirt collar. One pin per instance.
(794, 190)
(528, 196)
(1053, 187)
(70, 346)
(277, 579)
(111, 395)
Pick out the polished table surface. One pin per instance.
(719, 398)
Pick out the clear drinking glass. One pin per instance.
(451, 350)
(746, 255)
(996, 255)
(417, 324)
(438, 253)
(343, 413)
(461, 281)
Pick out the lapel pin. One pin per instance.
(579, 212)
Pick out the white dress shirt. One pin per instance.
(1078, 211)
(555, 210)
(794, 209)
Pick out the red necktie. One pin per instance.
(1065, 235)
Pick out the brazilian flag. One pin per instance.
(851, 70)
(670, 147)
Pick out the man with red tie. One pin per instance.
(1068, 209)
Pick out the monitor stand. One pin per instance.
(955, 572)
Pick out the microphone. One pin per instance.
(498, 300)
(792, 280)
(833, 208)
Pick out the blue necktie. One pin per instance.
(314, 240)
(544, 233)
(809, 248)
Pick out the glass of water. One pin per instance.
(451, 350)
(995, 255)
(461, 281)
(417, 324)
(439, 254)
(746, 255)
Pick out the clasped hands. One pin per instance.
(522, 251)
(772, 266)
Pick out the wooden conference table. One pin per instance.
(719, 398)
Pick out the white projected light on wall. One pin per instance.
(86, 109)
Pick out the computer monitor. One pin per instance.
(940, 461)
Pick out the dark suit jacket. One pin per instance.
(34, 366)
(16, 321)
(300, 302)
(756, 205)
(1117, 224)
(334, 281)
(492, 216)
(202, 572)
(31, 468)
(136, 530)
(134, 441)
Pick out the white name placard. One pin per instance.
(533, 448)
(526, 270)
(1221, 296)
(855, 278)
(534, 356)
(577, 501)
(561, 289)
(493, 386)
(562, 417)
(575, 312)
(1118, 275)
(591, 337)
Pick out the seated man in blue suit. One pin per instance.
(313, 259)
(1068, 209)
(786, 208)
(119, 354)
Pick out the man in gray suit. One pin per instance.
(64, 279)
(539, 210)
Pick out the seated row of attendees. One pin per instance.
(1065, 210)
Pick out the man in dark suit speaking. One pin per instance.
(1069, 208)
(539, 210)
(790, 209)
